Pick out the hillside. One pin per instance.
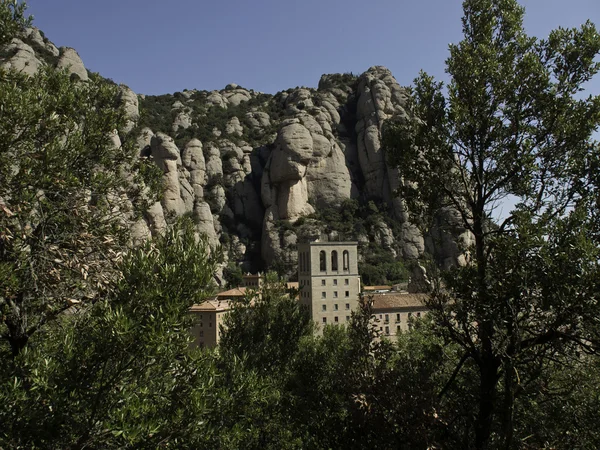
(260, 172)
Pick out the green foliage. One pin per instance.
(351, 219)
(119, 373)
(512, 123)
(344, 389)
(233, 275)
(265, 328)
(158, 114)
(12, 19)
(64, 197)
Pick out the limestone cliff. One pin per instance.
(254, 170)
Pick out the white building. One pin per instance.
(328, 279)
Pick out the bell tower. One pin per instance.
(328, 280)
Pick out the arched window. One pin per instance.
(323, 261)
(346, 258)
(334, 260)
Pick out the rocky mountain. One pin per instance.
(259, 172)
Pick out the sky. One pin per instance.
(160, 47)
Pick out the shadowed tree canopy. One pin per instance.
(514, 121)
(68, 195)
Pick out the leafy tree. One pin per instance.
(350, 389)
(233, 275)
(119, 373)
(512, 122)
(265, 328)
(66, 197)
(12, 19)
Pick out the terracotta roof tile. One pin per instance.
(396, 301)
(235, 292)
(211, 305)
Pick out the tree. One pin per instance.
(67, 197)
(12, 19)
(265, 327)
(512, 123)
(118, 373)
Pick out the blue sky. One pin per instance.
(158, 47)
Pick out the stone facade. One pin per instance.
(393, 312)
(209, 317)
(328, 279)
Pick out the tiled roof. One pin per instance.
(211, 305)
(235, 292)
(397, 301)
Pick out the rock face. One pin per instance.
(130, 103)
(22, 59)
(69, 59)
(254, 170)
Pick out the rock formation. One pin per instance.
(253, 170)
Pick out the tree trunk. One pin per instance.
(509, 400)
(17, 330)
(488, 363)
(487, 402)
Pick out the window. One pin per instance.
(323, 307)
(387, 318)
(387, 330)
(346, 258)
(398, 317)
(347, 318)
(418, 314)
(347, 294)
(346, 281)
(334, 260)
(335, 307)
(322, 261)
(200, 316)
(323, 294)
(323, 282)
(398, 330)
(347, 305)
(334, 294)
(201, 334)
(201, 324)
(210, 325)
(335, 282)
(335, 319)
(324, 319)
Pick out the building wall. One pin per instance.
(391, 322)
(253, 281)
(330, 291)
(206, 331)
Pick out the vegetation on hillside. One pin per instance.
(94, 343)
(356, 220)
